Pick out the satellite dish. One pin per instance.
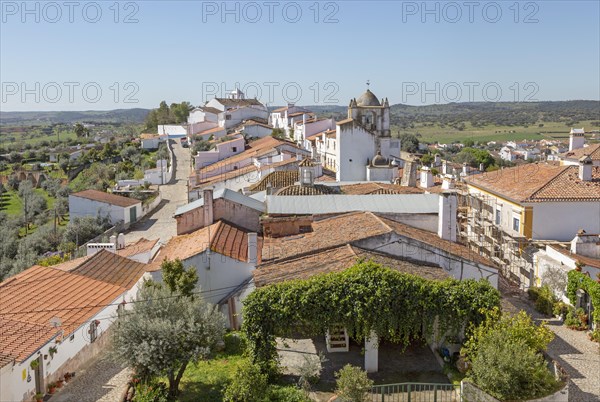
(55, 322)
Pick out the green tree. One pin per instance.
(177, 278)
(473, 157)
(409, 143)
(81, 131)
(161, 337)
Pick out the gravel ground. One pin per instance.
(101, 381)
(573, 350)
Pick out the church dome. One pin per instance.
(368, 99)
(379, 160)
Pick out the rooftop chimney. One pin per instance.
(252, 248)
(585, 168)
(426, 178)
(409, 175)
(208, 206)
(120, 241)
(447, 216)
(576, 138)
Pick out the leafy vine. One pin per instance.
(367, 297)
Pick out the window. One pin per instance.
(234, 149)
(516, 224)
(93, 331)
(498, 216)
(227, 117)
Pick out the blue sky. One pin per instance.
(412, 52)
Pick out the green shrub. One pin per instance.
(278, 393)
(544, 299)
(248, 384)
(576, 319)
(151, 392)
(511, 370)
(595, 335)
(560, 309)
(505, 356)
(352, 384)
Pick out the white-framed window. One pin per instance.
(516, 223)
(498, 218)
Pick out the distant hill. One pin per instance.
(135, 116)
(478, 113)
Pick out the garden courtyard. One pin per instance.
(414, 364)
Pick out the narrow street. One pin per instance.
(160, 224)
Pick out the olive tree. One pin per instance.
(166, 331)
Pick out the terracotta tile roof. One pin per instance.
(568, 187)
(592, 262)
(255, 149)
(327, 233)
(335, 260)
(69, 265)
(32, 298)
(379, 188)
(107, 198)
(535, 182)
(109, 267)
(221, 237)
(141, 246)
(238, 102)
(209, 109)
(592, 150)
(354, 226)
(277, 179)
(296, 189)
(211, 130)
(432, 239)
(249, 170)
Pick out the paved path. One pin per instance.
(161, 224)
(101, 381)
(573, 350)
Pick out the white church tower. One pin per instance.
(363, 137)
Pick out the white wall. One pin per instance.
(456, 267)
(561, 220)
(355, 147)
(172, 130)
(223, 276)
(85, 207)
(258, 131)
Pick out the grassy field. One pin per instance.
(434, 133)
(11, 204)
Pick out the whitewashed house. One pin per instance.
(285, 117)
(39, 324)
(224, 256)
(94, 203)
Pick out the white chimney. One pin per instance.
(426, 178)
(447, 216)
(464, 169)
(481, 167)
(585, 168)
(120, 241)
(113, 240)
(448, 183)
(576, 138)
(252, 248)
(587, 245)
(208, 206)
(437, 160)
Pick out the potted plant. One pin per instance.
(34, 364)
(51, 387)
(52, 351)
(67, 376)
(579, 266)
(59, 382)
(39, 397)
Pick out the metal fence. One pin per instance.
(415, 392)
